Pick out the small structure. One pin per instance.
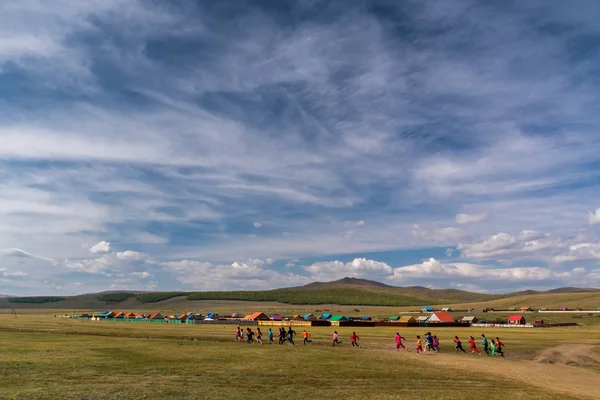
(446, 309)
(516, 320)
(276, 317)
(427, 309)
(235, 315)
(130, 315)
(407, 319)
(325, 316)
(338, 318)
(526, 309)
(422, 318)
(297, 317)
(394, 318)
(538, 322)
(156, 315)
(85, 315)
(211, 315)
(566, 309)
(469, 320)
(441, 317)
(544, 309)
(578, 309)
(366, 318)
(309, 317)
(120, 314)
(257, 316)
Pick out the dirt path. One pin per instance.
(554, 369)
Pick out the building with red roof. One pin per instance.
(440, 316)
(516, 320)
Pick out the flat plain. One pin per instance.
(47, 357)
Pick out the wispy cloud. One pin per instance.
(178, 130)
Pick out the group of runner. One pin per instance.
(431, 342)
(490, 347)
(284, 336)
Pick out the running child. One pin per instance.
(335, 339)
(249, 335)
(473, 346)
(281, 335)
(290, 335)
(259, 336)
(419, 345)
(399, 344)
(306, 336)
(499, 346)
(493, 347)
(354, 339)
(238, 335)
(428, 341)
(485, 344)
(458, 345)
(270, 336)
(436, 344)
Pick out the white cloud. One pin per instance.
(143, 275)
(527, 244)
(354, 223)
(594, 217)
(257, 225)
(434, 269)
(238, 275)
(132, 256)
(358, 268)
(470, 218)
(100, 247)
(5, 273)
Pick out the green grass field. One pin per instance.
(45, 357)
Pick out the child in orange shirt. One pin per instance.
(499, 346)
(354, 339)
(306, 336)
(419, 345)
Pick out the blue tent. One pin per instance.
(366, 318)
(191, 316)
(428, 308)
(307, 316)
(210, 315)
(325, 316)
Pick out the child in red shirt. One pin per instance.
(354, 339)
(473, 346)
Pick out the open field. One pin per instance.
(47, 357)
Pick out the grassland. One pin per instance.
(46, 357)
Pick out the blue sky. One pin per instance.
(255, 144)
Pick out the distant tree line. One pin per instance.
(36, 299)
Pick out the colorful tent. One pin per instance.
(130, 315)
(309, 316)
(325, 316)
(446, 309)
(440, 316)
(469, 320)
(427, 309)
(366, 318)
(407, 319)
(337, 318)
(257, 316)
(394, 318)
(276, 317)
(526, 309)
(156, 315)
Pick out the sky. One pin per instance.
(203, 145)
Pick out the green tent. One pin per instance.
(338, 318)
(394, 318)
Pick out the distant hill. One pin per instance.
(346, 291)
